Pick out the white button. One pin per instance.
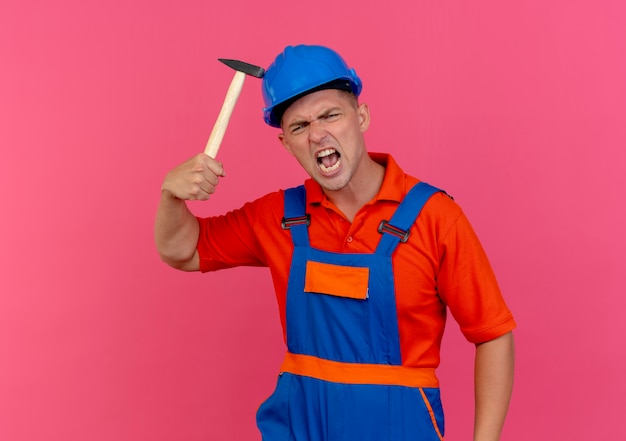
(349, 239)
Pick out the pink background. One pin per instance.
(518, 109)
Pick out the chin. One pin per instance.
(331, 184)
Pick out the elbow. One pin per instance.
(182, 263)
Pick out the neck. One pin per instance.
(360, 190)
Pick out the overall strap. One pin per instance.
(296, 219)
(397, 229)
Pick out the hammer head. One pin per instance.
(246, 68)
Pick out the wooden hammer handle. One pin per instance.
(219, 128)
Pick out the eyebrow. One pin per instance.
(321, 115)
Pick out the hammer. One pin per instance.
(242, 69)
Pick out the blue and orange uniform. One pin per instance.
(363, 310)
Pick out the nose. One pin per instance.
(317, 131)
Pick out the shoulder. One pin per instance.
(443, 204)
(252, 214)
(264, 210)
(439, 204)
(273, 198)
(439, 215)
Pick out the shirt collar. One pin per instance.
(392, 188)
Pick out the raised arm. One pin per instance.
(176, 228)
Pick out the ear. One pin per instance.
(284, 142)
(363, 113)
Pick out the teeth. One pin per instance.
(325, 153)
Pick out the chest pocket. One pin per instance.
(337, 280)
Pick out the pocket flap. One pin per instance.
(337, 280)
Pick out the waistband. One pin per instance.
(358, 373)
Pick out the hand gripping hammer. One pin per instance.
(242, 69)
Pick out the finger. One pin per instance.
(207, 177)
(207, 187)
(202, 185)
(198, 193)
(212, 173)
(215, 166)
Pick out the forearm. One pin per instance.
(176, 233)
(493, 382)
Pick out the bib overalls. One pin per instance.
(342, 378)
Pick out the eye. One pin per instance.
(331, 117)
(298, 128)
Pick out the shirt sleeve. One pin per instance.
(467, 284)
(234, 239)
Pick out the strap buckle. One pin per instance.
(386, 227)
(287, 223)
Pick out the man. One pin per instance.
(365, 262)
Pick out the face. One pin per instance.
(324, 131)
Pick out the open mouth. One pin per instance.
(328, 160)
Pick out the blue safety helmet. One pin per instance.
(300, 70)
